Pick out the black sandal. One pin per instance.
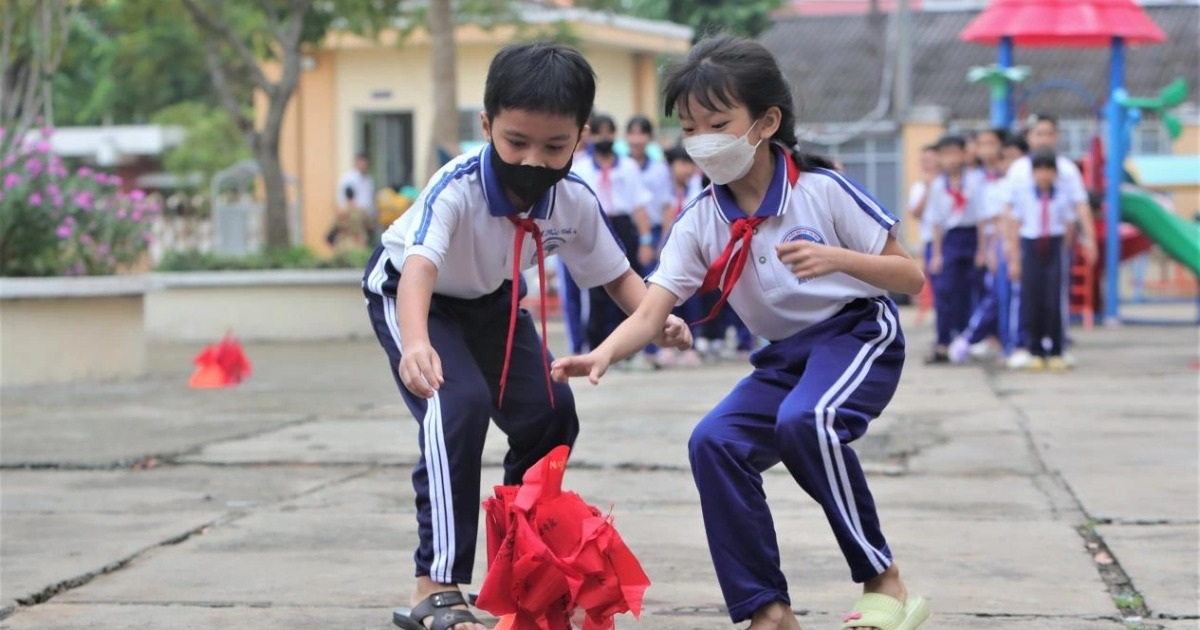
(439, 607)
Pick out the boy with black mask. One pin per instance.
(442, 292)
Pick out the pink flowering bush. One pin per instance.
(57, 222)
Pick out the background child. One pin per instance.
(806, 258)
(980, 338)
(955, 206)
(447, 315)
(656, 180)
(618, 184)
(1042, 214)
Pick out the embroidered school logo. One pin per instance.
(803, 234)
(550, 244)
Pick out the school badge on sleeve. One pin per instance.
(553, 558)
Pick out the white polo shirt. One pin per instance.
(1027, 211)
(619, 187)
(363, 187)
(1069, 180)
(941, 210)
(459, 223)
(817, 205)
(914, 195)
(656, 179)
(995, 196)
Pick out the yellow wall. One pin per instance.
(913, 136)
(319, 140)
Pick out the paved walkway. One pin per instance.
(1016, 501)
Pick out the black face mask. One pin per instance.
(528, 183)
(603, 147)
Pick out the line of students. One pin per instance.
(976, 214)
(642, 196)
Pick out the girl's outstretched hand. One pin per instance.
(592, 365)
(676, 334)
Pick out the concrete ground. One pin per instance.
(1012, 500)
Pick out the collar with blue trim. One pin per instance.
(779, 192)
(498, 203)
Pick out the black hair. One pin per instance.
(929, 147)
(676, 154)
(1045, 158)
(1049, 118)
(540, 76)
(951, 140)
(970, 135)
(349, 192)
(640, 123)
(1017, 141)
(599, 120)
(1000, 133)
(722, 72)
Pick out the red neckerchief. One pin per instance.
(730, 264)
(523, 227)
(960, 198)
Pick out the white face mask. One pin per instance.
(724, 157)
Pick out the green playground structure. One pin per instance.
(1178, 238)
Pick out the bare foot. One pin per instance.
(886, 583)
(427, 587)
(774, 616)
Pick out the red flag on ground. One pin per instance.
(220, 365)
(552, 557)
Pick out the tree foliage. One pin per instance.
(748, 18)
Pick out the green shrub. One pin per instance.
(287, 258)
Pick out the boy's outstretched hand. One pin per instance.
(592, 365)
(676, 334)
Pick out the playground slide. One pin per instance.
(1180, 239)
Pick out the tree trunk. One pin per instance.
(278, 228)
(440, 22)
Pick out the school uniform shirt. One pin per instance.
(619, 187)
(1069, 180)
(681, 197)
(459, 223)
(817, 205)
(655, 176)
(914, 195)
(363, 187)
(996, 194)
(1040, 215)
(949, 210)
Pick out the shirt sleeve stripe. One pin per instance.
(466, 168)
(865, 201)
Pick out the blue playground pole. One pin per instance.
(1112, 176)
(1002, 113)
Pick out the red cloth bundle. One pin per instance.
(551, 555)
(220, 365)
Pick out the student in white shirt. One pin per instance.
(443, 291)
(980, 338)
(1043, 135)
(617, 183)
(359, 180)
(955, 209)
(918, 196)
(1042, 214)
(807, 259)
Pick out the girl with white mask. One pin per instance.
(806, 258)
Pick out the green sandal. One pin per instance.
(887, 613)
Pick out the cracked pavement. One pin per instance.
(1015, 501)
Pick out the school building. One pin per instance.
(838, 63)
(370, 95)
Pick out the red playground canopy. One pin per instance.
(1063, 23)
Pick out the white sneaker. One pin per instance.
(959, 350)
(982, 351)
(1019, 359)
